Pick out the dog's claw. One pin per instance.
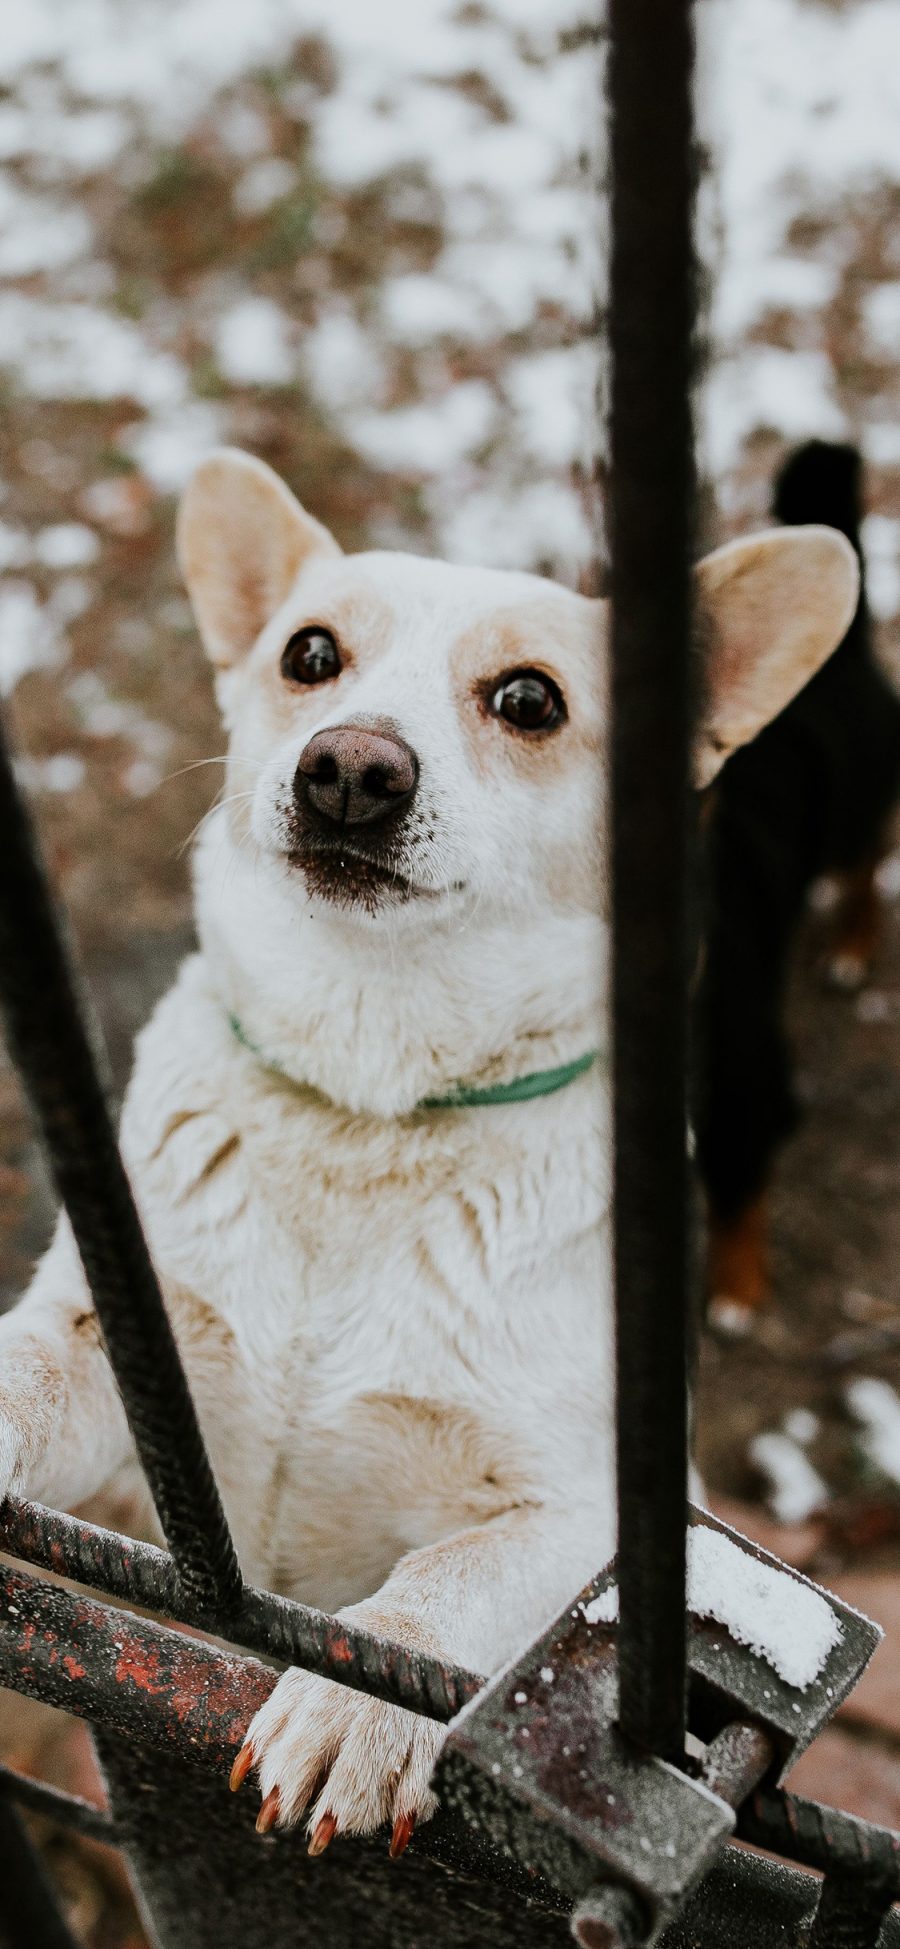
(241, 1767)
(323, 1834)
(402, 1835)
(268, 1813)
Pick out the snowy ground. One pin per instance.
(466, 368)
(365, 243)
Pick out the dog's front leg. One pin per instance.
(63, 1431)
(349, 1762)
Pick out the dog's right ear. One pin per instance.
(772, 607)
(242, 539)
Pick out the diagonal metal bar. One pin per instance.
(159, 1688)
(651, 523)
(274, 1626)
(31, 1917)
(818, 1836)
(58, 1060)
(127, 1673)
(66, 1809)
(139, 1682)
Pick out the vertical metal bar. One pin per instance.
(651, 519)
(56, 1058)
(30, 1916)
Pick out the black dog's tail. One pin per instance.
(822, 481)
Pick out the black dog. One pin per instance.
(811, 795)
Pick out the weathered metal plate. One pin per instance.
(538, 1762)
(728, 1681)
(205, 1877)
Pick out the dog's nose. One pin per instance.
(355, 777)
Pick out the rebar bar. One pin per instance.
(59, 1060)
(66, 1809)
(822, 1837)
(651, 532)
(263, 1622)
(30, 1917)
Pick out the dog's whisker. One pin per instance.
(232, 798)
(219, 758)
(196, 764)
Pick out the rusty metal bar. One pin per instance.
(275, 1626)
(58, 1059)
(127, 1673)
(162, 1688)
(66, 1809)
(736, 1760)
(143, 1683)
(821, 1837)
(30, 1915)
(651, 533)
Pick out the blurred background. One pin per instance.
(366, 244)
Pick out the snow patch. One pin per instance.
(554, 397)
(76, 351)
(795, 1488)
(66, 545)
(170, 445)
(782, 1620)
(876, 1407)
(802, 1426)
(431, 437)
(881, 318)
(263, 184)
(63, 772)
(605, 1608)
(766, 386)
(508, 525)
(37, 234)
(253, 344)
(342, 363)
(881, 544)
(29, 635)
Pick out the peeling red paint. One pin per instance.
(142, 1667)
(340, 1649)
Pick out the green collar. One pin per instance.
(542, 1082)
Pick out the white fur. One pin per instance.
(397, 1323)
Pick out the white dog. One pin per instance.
(393, 1301)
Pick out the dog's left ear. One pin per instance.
(772, 609)
(242, 541)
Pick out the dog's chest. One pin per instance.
(375, 1320)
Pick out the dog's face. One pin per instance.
(410, 738)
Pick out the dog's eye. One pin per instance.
(311, 657)
(528, 701)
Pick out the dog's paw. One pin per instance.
(345, 1761)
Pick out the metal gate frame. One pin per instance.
(167, 1707)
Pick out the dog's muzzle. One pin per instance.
(348, 776)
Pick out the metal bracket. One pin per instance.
(538, 1760)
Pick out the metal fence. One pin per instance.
(170, 1709)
